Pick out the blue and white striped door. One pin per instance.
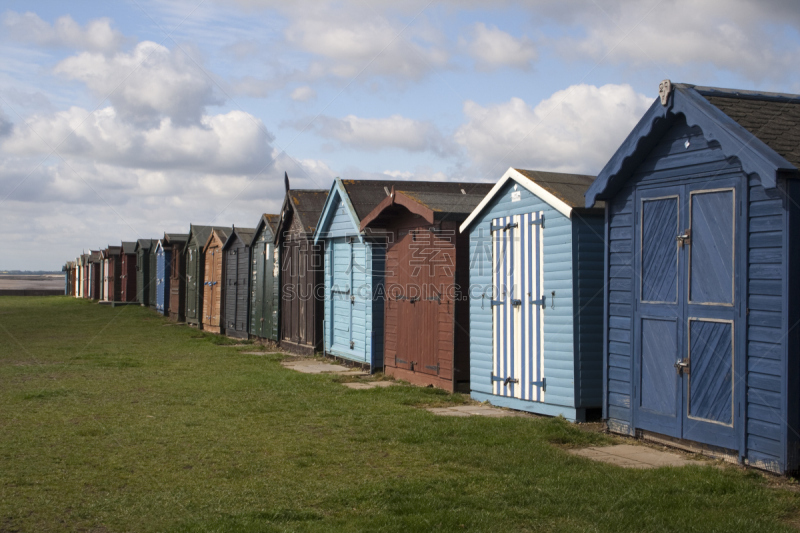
(517, 307)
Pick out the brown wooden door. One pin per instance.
(216, 287)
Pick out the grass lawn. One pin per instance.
(117, 420)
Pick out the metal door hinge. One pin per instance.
(682, 366)
(505, 227)
(540, 301)
(434, 367)
(504, 381)
(539, 222)
(542, 384)
(498, 302)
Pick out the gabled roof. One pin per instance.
(95, 256)
(563, 192)
(176, 238)
(128, 247)
(762, 130)
(145, 244)
(113, 250)
(271, 222)
(433, 200)
(200, 234)
(243, 234)
(306, 205)
(221, 233)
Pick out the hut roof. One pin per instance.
(760, 129)
(128, 247)
(176, 238)
(434, 201)
(113, 250)
(244, 234)
(201, 233)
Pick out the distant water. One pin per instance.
(28, 282)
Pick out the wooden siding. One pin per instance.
(195, 270)
(153, 284)
(143, 276)
(264, 286)
(671, 161)
(237, 288)
(588, 283)
(128, 278)
(365, 285)
(177, 284)
(559, 338)
(213, 287)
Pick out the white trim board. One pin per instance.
(535, 189)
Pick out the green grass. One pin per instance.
(110, 420)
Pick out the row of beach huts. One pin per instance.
(658, 294)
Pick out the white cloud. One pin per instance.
(97, 35)
(347, 44)
(234, 142)
(420, 174)
(492, 48)
(303, 94)
(147, 83)
(575, 130)
(395, 131)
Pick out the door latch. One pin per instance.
(682, 366)
(686, 238)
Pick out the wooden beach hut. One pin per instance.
(265, 280)
(112, 266)
(302, 283)
(153, 283)
(80, 275)
(195, 271)
(104, 276)
(95, 275)
(536, 295)
(143, 277)
(214, 281)
(175, 243)
(426, 316)
(354, 270)
(236, 265)
(69, 278)
(127, 272)
(163, 277)
(701, 347)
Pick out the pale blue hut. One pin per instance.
(354, 269)
(536, 295)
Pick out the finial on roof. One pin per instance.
(664, 88)
(392, 193)
(286, 180)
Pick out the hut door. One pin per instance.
(518, 307)
(257, 281)
(686, 312)
(105, 280)
(160, 280)
(216, 287)
(191, 283)
(342, 297)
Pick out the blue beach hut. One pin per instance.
(354, 269)
(701, 348)
(536, 295)
(163, 263)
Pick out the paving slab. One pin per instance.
(628, 456)
(473, 410)
(310, 366)
(260, 353)
(363, 385)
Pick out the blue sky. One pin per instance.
(122, 120)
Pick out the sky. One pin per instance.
(127, 119)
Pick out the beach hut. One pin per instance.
(264, 283)
(127, 272)
(103, 276)
(302, 283)
(69, 277)
(80, 276)
(112, 256)
(214, 281)
(153, 284)
(95, 275)
(536, 295)
(195, 271)
(354, 269)
(426, 314)
(236, 265)
(143, 276)
(175, 243)
(701, 347)
(163, 277)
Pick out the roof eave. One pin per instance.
(513, 174)
(734, 140)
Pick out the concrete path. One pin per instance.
(473, 410)
(310, 366)
(363, 385)
(628, 456)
